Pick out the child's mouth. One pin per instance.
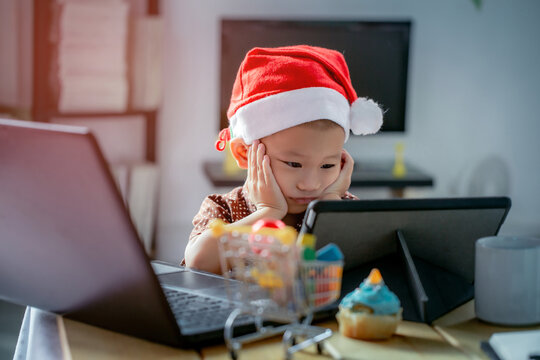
(304, 200)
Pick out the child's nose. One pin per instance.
(309, 182)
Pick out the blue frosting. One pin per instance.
(376, 296)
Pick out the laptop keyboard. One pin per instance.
(196, 313)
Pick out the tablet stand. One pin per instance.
(418, 292)
(426, 291)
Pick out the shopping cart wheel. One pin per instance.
(319, 348)
(293, 341)
(233, 355)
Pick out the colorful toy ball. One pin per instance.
(259, 238)
(267, 223)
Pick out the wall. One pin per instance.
(474, 80)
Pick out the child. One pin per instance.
(290, 114)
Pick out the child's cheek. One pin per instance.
(277, 171)
(335, 174)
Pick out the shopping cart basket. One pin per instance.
(277, 287)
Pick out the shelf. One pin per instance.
(22, 113)
(99, 115)
(45, 105)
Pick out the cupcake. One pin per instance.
(371, 311)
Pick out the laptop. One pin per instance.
(69, 246)
(424, 248)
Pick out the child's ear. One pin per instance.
(239, 151)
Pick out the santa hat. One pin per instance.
(278, 88)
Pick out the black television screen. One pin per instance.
(376, 52)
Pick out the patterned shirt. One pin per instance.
(231, 207)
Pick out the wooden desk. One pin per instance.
(89, 342)
(457, 335)
(366, 174)
(461, 329)
(411, 341)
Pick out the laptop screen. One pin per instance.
(69, 245)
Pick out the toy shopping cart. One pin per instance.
(278, 289)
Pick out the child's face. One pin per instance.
(305, 161)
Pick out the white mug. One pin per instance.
(507, 280)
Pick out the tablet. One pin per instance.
(426, 247)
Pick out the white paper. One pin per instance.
(516, 345)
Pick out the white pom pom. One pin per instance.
(366, 117)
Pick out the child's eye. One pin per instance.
(328, 166)
(293, 164)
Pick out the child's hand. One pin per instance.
(337, 189)
(262, 187)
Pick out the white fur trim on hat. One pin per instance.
(281, 111)
(366, 117)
